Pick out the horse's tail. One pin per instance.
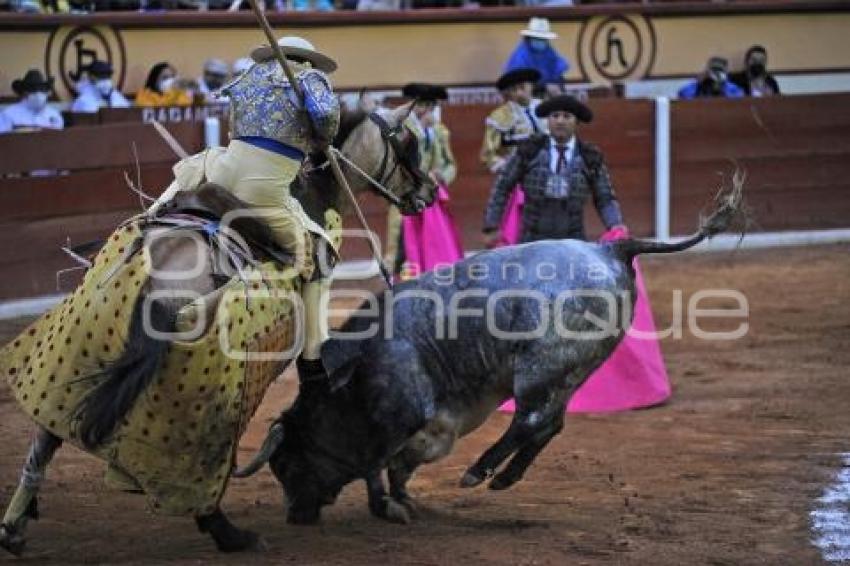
(101, 411)
(728, 207)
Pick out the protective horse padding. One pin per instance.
(179, 440)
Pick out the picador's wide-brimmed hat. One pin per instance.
(296, 47)
(566, 103)
(517, 76)
(33, 81)
(425, 91)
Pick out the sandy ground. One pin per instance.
(725, 473)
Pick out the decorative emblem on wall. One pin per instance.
(616, 48)
(71, 49)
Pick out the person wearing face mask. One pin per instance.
(215, 76)
(536, 52)
(163, 88)
(754, 80)
(32, 112)
(714, 82)
(99, 92)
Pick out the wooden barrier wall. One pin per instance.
(796, 151)
(80, 196)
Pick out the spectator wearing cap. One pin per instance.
(558, 173)
(754, 80)
(163, 88)
(32, 112)
(215, 76)
(535, 51)
(436, 158)
(512, 122)
(713, 82)
(99, 91)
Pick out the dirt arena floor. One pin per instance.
(725, 473)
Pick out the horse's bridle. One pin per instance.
(390, 135)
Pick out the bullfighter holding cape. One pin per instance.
(558, 173)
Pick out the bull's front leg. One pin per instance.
(227, 537)
(380, 504)
(399, 472)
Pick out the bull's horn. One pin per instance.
(270, 444)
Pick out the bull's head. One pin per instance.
(308, 455)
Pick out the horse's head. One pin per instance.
(382, 146)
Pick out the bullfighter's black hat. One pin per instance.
(516, 77)
(425, 91)
(566, 103)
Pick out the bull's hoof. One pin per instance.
(241, 541)
(501, 482)
(11, 541)
(396, 512)
(409, 504)
(470, 480)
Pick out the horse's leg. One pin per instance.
(24, 503)
(227, 537)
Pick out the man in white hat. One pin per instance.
(270, 137)
(536, 52)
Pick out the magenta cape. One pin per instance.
(431, 238)
(635, 375)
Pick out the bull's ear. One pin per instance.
(340, 358)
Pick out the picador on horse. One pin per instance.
(188, 312)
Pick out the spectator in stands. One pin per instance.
(241, 65)
(98, 91)
(714, 82)
(163, 88)
(31, 112)
(536, 52)
(754, 80)
(5, 124)
(215, 76)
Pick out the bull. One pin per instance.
(412, 371)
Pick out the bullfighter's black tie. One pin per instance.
(561, 166)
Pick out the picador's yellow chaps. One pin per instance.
(178, 443)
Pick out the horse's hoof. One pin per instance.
(470, 480)
(242, 541)
(13, 543)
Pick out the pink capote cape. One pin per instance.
(431, 238)
(635, 375)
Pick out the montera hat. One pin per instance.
(565, 103)
(425, 91)
(517, 76)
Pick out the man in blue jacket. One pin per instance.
(535, 52)
(714, 82)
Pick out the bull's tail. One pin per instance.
(101, 411)
(727, 207)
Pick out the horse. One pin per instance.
(379, 153)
